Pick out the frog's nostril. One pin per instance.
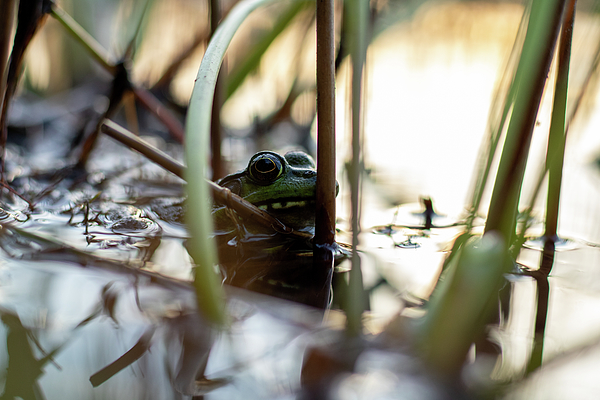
(309, 174)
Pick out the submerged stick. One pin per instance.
(541, 312)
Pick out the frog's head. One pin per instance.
(283, 186)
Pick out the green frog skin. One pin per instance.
(283, 186)
(257, 258)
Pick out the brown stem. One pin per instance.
(170, 72)
(13, 191)
(223, 195)
(325, 207)
(120, 86)
(147, 99)
(31, 16)
(100, 54)
(6, 24)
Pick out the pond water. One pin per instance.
(110, 301)
(97, 276)
(96, 302)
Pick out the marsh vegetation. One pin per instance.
(462, 248)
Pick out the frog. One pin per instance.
(261, 259)
(283, 186)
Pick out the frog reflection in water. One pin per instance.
(259, 258)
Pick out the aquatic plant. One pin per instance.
(464, 300)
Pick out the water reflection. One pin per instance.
(136, 334)
(88, 332)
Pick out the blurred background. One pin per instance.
(434, 72)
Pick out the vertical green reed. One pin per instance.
(239, 72)
(554, 165)
(217, 166)
(558, 127)
(209, 292)
(463, 303)
(356, 22)
(556, 138)
(497, 120)
(530, 79)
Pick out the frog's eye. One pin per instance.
(265, 168)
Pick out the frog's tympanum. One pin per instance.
(256, 257)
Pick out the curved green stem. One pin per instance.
(210, 295)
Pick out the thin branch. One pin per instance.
(221, 194)
(150, 102)
(102, 56)
(170, 72)
(13, 191)
(84, 38)
(326, 185)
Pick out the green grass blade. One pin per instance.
(462, 304)
(99, 53)
(251, 62)
(558, 125)
(136, 31)
(197, 129)
(530, 78)
(497, 121)
(356, 17)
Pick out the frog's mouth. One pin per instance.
(286, 205)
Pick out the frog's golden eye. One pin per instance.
(265, 168)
